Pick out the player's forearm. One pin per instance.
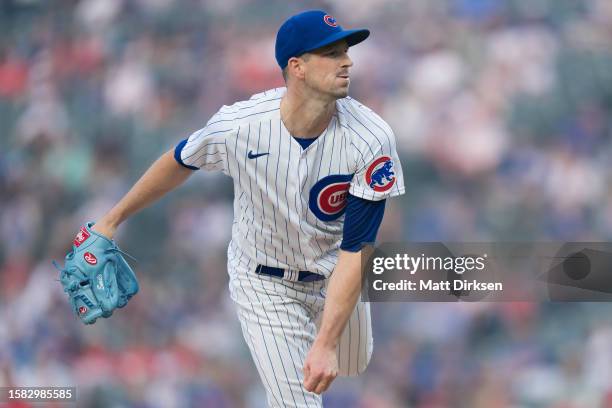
(163, 176)
(342, 295)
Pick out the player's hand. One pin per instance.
(320, 368)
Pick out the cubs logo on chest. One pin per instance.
(327, 198)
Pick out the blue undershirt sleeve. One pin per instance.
(361, 222)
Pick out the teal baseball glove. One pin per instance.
(96, 277)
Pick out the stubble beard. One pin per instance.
(340, 92)
(334, 91)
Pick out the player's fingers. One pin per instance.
(312, 381)
(310, 384)
(306, 370)
(324, 384)
(306, 374)
(320, 388)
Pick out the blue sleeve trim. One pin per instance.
(361, 222)
(177, 155)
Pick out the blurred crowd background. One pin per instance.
(502, 112)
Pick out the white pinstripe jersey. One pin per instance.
(289, 201)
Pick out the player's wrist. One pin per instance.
(325, 342)
(105, 227)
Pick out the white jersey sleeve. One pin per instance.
(207, 148)
(378, 171)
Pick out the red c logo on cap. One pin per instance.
(330, 21)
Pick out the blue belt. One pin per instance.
(302, 276)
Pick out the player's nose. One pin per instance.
(347, 61)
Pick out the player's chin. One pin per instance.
(341, 91)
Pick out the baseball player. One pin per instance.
(311, 169)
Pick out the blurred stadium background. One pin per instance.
(502, 111)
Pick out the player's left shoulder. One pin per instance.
(363, 122)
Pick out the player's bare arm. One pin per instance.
(321, 364)
(163, 176)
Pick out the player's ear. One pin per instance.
(296, 67)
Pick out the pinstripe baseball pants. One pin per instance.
(279, 323)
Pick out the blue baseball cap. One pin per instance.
(310, 30)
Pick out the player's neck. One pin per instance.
(305, 116)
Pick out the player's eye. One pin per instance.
(335, 53)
